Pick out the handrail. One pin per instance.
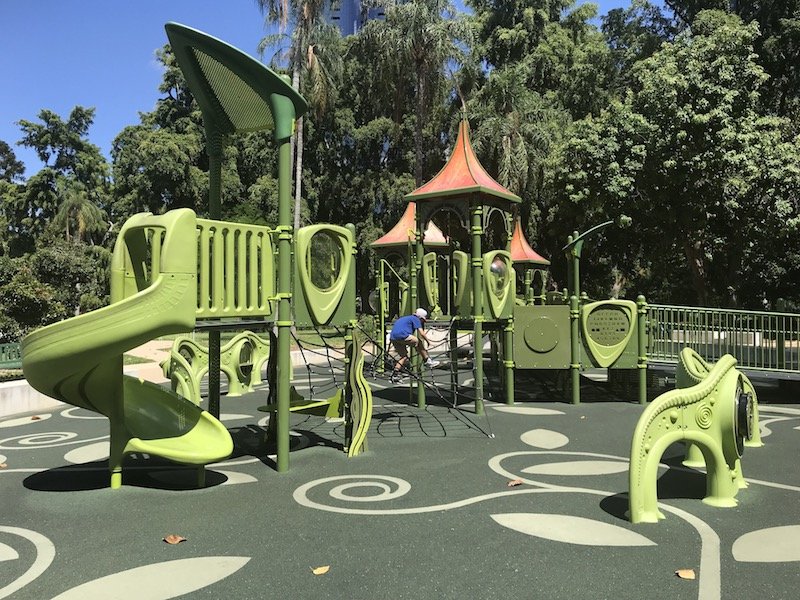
(767, 341)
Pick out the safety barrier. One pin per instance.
(766, 341)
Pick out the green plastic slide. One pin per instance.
(79, 361)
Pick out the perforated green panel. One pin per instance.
(242, 105)
(607, 331)
(608, 326)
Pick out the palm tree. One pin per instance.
(314, 54)
(77, 215)
(427, 36)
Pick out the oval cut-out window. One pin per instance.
(324, 260)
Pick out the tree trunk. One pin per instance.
(296, 151)
(298, 173)
(418, 123)
(694, 255)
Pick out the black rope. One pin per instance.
(428, 385)
(308, 365)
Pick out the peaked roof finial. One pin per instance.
(521, 251)
(462, 174)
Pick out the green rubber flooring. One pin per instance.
(427, 512)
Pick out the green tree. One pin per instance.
(314, 61)
(160, 163)
(425, 38)
(634, 33)
(684, 155)
(78, 217)
(11, 169)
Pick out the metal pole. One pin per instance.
(574, 366)
(284, 322)
(508, 359)
(642, 359)
(382, 300)
(215, 142)
(477, 302)
(418, 255)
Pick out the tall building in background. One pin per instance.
(350, 15)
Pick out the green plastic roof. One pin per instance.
(236, 93)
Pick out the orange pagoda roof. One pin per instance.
(462, 174)
(403, 231)
(521, 251)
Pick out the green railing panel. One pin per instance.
(11, 356)
(767, 341)
(236, 270)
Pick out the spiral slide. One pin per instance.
(79, 361)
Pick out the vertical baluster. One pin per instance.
(241, 271)
(218, 272)
(155, 253)
(230, 270)
(252, 266)
(266, 260)
(204, 284)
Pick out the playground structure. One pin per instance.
(241, 359)
(237, 275)
(456, 280)
(553, 332)
(714, 415)
(173, 272)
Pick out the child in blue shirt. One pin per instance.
(409, 331)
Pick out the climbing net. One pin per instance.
(440, 383)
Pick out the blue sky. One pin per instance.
(101, 53)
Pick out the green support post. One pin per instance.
(508, 359)
(528, 287)
(418, 255)
(454, 362)
(641, 326)
(284, 322)
(382, 300)
(476, 229)
(575, 359)
(216, 143)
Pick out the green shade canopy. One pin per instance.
(236, 93)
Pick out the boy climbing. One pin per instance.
(409, 331)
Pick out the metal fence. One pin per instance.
(10, 356)
(764, 341)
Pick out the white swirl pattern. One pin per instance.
(49, 439)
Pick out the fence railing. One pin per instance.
(11, 356)
(765, 341)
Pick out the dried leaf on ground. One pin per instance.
(321, 570)
(515, 482)
(3, 465)
(36, 418)
(686, 574)
(174, 539)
